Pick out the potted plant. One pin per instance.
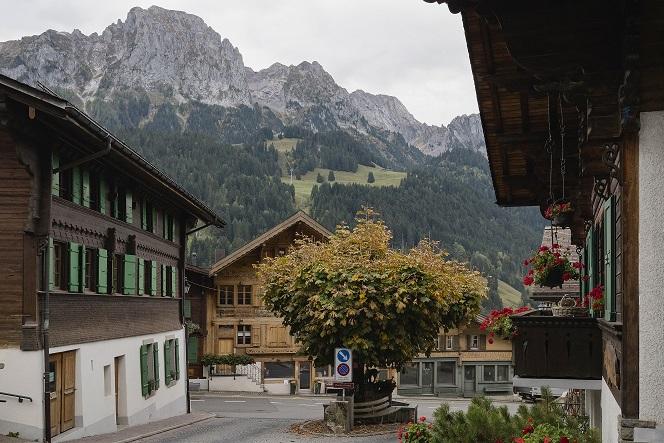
(499, 323)
(594, 299)
(560, 213)
(551, 267)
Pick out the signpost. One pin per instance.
(343, 368)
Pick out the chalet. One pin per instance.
(240, 324)
(465, 363)
(571, 97)
(92, 247)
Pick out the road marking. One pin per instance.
(235, 401)
(276, 403)
(319, 403)
(196, 400)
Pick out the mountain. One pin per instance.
(159, 57)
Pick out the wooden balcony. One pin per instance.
(548, 347)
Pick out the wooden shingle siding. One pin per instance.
(15, 195)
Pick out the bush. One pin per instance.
(330, 176)
(370, 178)
(319, 178)
(226, 359)
(419, 432)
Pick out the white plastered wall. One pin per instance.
(22, 375)
(610, 415)
(651, 259)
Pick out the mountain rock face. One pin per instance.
(174, 57)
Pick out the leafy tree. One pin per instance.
(330, 176)
(355, 291)
(370, 178)
(319, 178)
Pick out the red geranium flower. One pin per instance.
(566, 276)
(564, 440)
(547, 440)
(490, 340)
(423, 418)
(543, 248)
(519, 440)
(528, 280)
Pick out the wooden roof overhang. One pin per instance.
(565, 69)
(65, 123)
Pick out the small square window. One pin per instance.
(226, 293)
(244, 334)
(474, 342)
(449, 342)
(244, 294)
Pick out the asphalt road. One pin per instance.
(263, 419)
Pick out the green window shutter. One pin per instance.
(101, 198)
(85, 187)
(129, 216)
(174, 288)
(74, 267)
(51, 265)
(76, 186)
(144, 371)
(167, 362)
(609, 261)
(55, 181)
(155, 349)
(141, 276)
(144, 214)
(102, 271)
(153, 276)
(153, 228)
(163, 281)
(177, 359)
(590, 265)
(187, 308)
(129, 286)
(192, 350)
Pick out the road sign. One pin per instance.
(343, 364)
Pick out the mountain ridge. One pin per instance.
(175, 57)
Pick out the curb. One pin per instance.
(160, 431)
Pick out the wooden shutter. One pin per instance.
(129, 209)
(177, 359)
(141, 276)
(192, 349)
(467, 342)
(155, 350)
(129, 280)
(163, 281)
(76, 186)
(103, 193)
(441, 342)
(167, 362)
(102, 271)
(114, 201)
(187, 308)
(144, 370)
(483, 342)
(154, 220)
(55, 180)
(85, 187)
(153, 276)
(256, 336)
(609, 261)
(74, 274)
(174, 274)
(455, 342)
(144, 214)
(51, 264)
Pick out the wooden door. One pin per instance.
(55, 387)
(68, 389)
(225, 346)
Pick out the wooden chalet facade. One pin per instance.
(92, 247)
(237, 320)
(571, 97)
(466, 363)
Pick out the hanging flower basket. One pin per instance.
(550, 267)
(560, 213)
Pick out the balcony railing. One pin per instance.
(556, 347)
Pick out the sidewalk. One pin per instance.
(133, 433)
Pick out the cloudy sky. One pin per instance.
(407, 48)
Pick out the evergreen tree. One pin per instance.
(330, 176)
(370, 178)
(319, 178)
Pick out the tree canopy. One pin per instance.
(354, 291)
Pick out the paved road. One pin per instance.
(263, 419)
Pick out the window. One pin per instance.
(90, 269)
(66, 184)
(474, 342)
(489, 373)
(118, 273)
(171, 361)
(94, 193)
(244, 334)
(149, 368)
(502, 373)
(281, 369)
(244, 295)
(226, 294)
(445, 372)
(410, 374)
(147, 215)
(147, 277)
(449, 342)
(59, 266)
(120, 203)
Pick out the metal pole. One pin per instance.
(45, 344)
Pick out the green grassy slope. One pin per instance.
(510, 296)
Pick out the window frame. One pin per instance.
(290, 364)
(414, 365)
(474, 342)
(243, 335)
(243, 295)
(507, 373)
(484, 373)
(449, 342)
(453, 363)
(60, 265)
(222, 294)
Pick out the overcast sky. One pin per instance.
(406, 48)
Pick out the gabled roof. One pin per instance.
(298, 217)
(74, 121)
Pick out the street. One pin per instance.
(262, 419)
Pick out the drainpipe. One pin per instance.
(183, 291)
